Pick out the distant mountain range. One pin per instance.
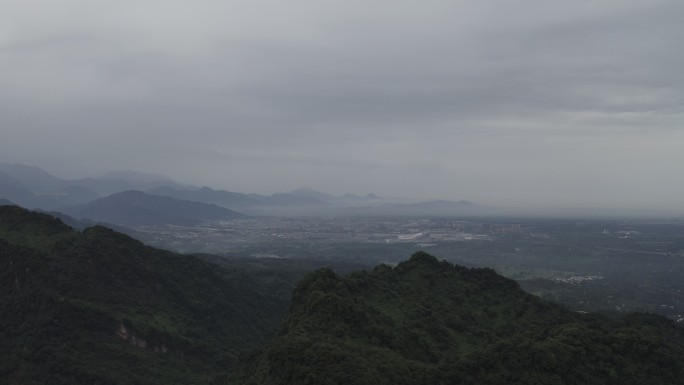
(307, 201)
(32, 187)
(136, 208)
(137, 177)
(275, 204)
(346, 199)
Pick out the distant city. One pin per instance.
(325, 230)
(587, 264)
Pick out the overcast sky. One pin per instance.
(510, 102)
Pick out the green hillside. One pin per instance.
(431, 322)
(98, 307)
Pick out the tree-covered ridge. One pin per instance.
(98, 307)
(431, 322)
(31, 229)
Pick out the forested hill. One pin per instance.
(136, 208)
(431, 322)
(98, 307)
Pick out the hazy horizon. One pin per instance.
(530, 104)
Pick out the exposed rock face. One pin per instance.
(127, 335)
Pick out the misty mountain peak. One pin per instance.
(134, 176)
(308, 192)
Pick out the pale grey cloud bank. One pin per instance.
(529, 102)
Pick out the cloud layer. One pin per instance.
(530, 102)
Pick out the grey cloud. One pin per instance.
(460, 98)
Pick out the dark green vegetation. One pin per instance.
(135, 208)
(431, 322)
(98, 307)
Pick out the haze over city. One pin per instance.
(530, 103)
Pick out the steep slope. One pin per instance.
(135, 208)
(32, 229)
(100, 307)
(430, 322)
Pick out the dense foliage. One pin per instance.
(98, 307)
(431, 322)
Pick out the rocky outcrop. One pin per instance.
(127, 335)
